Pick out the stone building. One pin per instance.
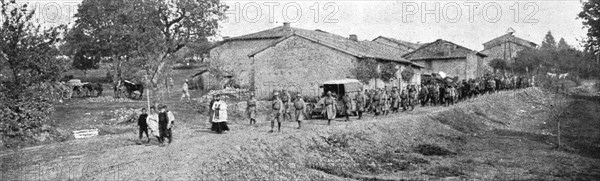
(505, 47)
(448, 57)
(299, 60)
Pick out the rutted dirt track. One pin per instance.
(505, 136)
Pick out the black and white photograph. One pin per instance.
(299, 90)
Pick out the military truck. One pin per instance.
(339, 89)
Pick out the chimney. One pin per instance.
(286, 24)
(353, 37)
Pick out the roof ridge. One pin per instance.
(446, 41)
(399, 42)
(516, 37)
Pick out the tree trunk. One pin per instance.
(15, 76)
(85, 73)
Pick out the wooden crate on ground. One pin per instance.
(86, 133)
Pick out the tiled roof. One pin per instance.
(407, 44)
(360, 49)
(273, 33)
(508, 38)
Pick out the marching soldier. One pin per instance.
(404, 99)
(361, 100)
(491, 85)
(412, 97)
(300, 109)
(423, 95)
(384, 102)
(435, 94)
(276, 112)
(330, 107)
(286, 98)
(347, 101)
(376, 104)
(395, 100)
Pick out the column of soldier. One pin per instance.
(444, 93)
(436, 92)
(384, 101)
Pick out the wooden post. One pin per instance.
(148, 92)
(167, 86)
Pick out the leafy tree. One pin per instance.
(388, 71)
(146, 33)
(365, 70)
(407, 74)
(498, 64)
(28, 50)
(85, 62)
(562, 44)
(530, 60)
(591, 21)
(558, 61)
(549, 42)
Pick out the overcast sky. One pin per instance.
(468, 23)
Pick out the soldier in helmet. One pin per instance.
(395, 97)
(384, 102)
(412, 97)
(404, 99)
(423, 95)
(361, 101)
(330, 107)
(287, 110)
(347, 101)
(435, 94)
(375, 104)
(276, 112)
(300, 109)
(252, 109)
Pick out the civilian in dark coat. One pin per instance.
(143, 125)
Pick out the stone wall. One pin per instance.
(508, 50)
(299, 65)
(233, 57)
(452, 67)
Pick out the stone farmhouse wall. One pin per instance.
(233, 56)
(504, 50)
(299, 65)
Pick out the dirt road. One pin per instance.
(497, 137)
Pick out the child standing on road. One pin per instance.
(165, 123)
(143, 125)
(152, 122)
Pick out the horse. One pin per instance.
(562, 76)
(91, 87)
(131, 87)
(77, 90)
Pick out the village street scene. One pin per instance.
(307, 90)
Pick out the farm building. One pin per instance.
(505, 47)
(400, 44)
(300, 60)
(450, 58)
